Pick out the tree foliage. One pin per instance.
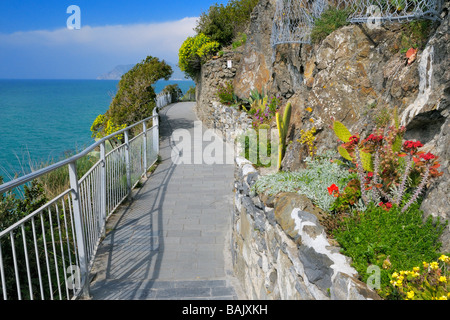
(224, 23)
(135, 98)
(216, 28)
(194, 51)
(174, 90)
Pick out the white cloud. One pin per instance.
(127, 43)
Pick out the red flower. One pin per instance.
(412, 146)
(354, 139)
(374, 138)
(332, 189)
(428, 156)
(386, 206)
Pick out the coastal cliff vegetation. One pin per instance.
(135, 98)
(219, 27)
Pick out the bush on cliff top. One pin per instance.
(135, 99)
(224, 23)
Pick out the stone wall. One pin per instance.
(279, 249)
(214, 73)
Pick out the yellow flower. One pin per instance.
(410, 295)
(416, 269)
(444, 258)
(434, 265)
(309, 109)
(442, 298)
(425, 265)
(443, 279)
(395, 275)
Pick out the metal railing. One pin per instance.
(49, 253)
(294, 19)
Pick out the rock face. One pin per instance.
(356, 75)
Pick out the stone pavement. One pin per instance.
(172, 241)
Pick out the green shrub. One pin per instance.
(193, 52)
(240, 41)
(414, 34)
(223, 23)
(57, 181)
(330, 20)
(225, 93)
(390, 239)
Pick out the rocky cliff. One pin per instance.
(356, 75)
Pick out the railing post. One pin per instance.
(102, 221)
(144, 129)
(84, 272)
(128, 163)
(156, 131)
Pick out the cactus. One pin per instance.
(341, 131)
(344, 134)
(283, 127)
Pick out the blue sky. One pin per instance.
(35, 42)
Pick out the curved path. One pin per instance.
(171, 242)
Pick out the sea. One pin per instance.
(41, 121)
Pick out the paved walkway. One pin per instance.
(172, 241)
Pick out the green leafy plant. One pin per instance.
(241, 40)
(348, 198)
(414, 34)
(225, 93)
(392, 240)
(263, 111)
(255, 95)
